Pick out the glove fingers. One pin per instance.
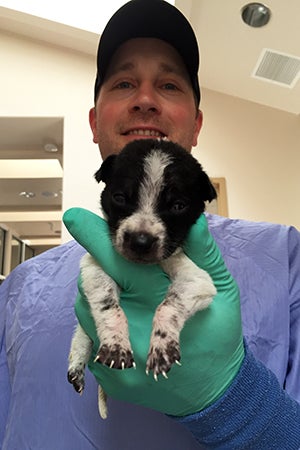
(92, 232)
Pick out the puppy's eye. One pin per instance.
(178, 206)
(119, 198)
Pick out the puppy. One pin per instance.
(155, 191)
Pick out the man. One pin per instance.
(147, 85)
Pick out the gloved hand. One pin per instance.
(211, 342)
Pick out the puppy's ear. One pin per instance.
(207, 188)
(105, 170)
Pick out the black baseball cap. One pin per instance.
(152, 19)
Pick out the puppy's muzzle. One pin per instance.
(141, 238)
(141, 245)
(140, 242)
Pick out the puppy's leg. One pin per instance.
(191, 290)
(111, 323)
(79, 356)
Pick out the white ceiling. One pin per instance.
(229, 54)
(230, 49)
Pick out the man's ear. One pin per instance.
(93, 122)
(197, 126)
(105, 170)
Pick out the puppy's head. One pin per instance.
(155, 191)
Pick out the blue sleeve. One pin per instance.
(5, 389)
(254, 413)
(292, 380)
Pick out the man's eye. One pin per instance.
(119, 198)
(124, 85)
(170, 87)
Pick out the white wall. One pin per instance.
(38, 80)
(255, 148)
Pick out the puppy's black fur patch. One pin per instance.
(181, 200)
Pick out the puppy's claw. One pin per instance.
(112, 364)
(155, 377)
(164, 375)
(97, 358)
(178, 363)
(134, 366)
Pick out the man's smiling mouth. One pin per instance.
(146, 132)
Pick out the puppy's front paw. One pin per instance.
(162, 355)
(115, 356)
(76, 378)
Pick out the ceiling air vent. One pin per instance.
(277, 68)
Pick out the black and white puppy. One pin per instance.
(155, 191)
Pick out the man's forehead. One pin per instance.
(162, 68)
(129, 55)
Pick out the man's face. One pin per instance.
(146, 93)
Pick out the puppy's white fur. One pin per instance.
(145, 218)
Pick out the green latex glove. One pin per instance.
(211, 342)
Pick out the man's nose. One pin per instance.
(146, 100)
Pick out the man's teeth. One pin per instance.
(146, 133)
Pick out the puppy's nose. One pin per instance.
(141, 242)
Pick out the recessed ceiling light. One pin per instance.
(49, 194)
(27, 194)
(256, 14)
(50, 148)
